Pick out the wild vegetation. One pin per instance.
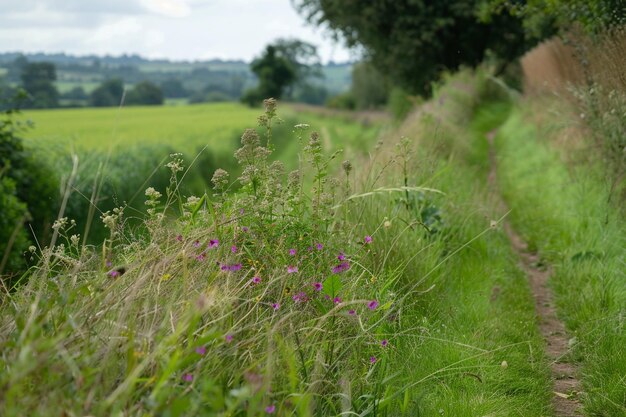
(463, 258)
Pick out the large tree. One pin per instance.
(412, 41)
(282, 65)
(38, 80)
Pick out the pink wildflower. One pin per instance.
(270, 409)
(384, 343)
(187, 377)
(352, 312)
(228, 338)
(276, 306)
(292, 252)
(179, 238)
(344, 266)
(372, 359)
(196, 243)
(214, 243)
(233, 249)
(292, 269)
(201, 350)
(368, 239)
(337, 300)
(318, 286)
(319, 246)
(256, 280)
(372, 305)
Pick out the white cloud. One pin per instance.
(174, 29)
(168, 8)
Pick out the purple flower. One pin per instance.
(228, 338)
(179, 238)
(337, 300)
(201, 350)
(319, 246)
(372, 305)
(292, 269)
(114, 274)
(187, 377)
(292, 252)
(109, 264)
(244, 229)
(214, 243)
(234, 267)
(270, 409)
(352, 312)
(276, 306)
(256, 280)
(310, 248)
(201, 256)
(301, 297)
(341, 256)
(384, 343)
(196, 243)
(318, 286)
(233, 249)
(368, 239)
(372, 359)
(344, 266)
(241, 211)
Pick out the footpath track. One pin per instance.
(567, 386)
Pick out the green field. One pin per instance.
(184, 128)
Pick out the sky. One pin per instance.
(172, 29)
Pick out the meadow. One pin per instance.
(322, 266)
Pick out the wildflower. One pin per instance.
(301, 297)
(344, 266)
(384, 343)
(165, 277)
(196, 243)
(372, 305)
(256, 280)
(341, 256)
(114, 274)
(220, 179)
(292, 252)
(187, 377)
(214, 243)
(352, 312)
(336, 300)
(108, 263)
(244, 229)
(270, 409)
(292, 269)
(276, 306)
(387, 224)
(201, 257)
(179, 238)
(347, 166)
(373, 359)
(318, 286)
(319, 246)
(368, 239)
(234, 267)
(201, 350)
(228, 338)
(310, 248)
(32, 249)
(75, 239)
(233, 249)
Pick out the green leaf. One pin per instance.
(332, 286)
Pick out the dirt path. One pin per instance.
(564, 373)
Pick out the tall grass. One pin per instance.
(381, 291)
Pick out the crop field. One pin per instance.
(184, 128)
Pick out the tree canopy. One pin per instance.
(38, 80)
(412, 41)
(281, 66)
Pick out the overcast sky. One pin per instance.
(174, 29)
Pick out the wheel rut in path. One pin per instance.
(567, 386)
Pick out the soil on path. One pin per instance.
(564, 372)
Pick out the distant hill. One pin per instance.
(208, 80)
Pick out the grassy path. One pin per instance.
(564, 219)
(564, 371)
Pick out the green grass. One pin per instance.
(452, 304)
(563, 211)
